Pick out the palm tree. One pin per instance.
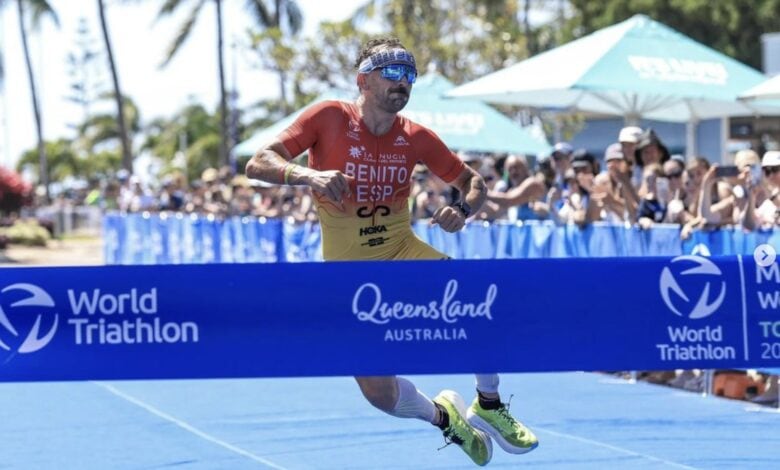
(286, 17)
(285, 12)
(169, 6)
(127, 156)
(38, 9)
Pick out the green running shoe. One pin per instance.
(508, 432)
(474, 443)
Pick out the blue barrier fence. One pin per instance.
(132, 239)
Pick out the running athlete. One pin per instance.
(361, 158)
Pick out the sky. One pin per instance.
(139, 44)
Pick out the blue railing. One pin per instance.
(184, 238)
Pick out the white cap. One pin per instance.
(771, 158)
(630, 134)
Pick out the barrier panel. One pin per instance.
(180, 238)
(370, 318)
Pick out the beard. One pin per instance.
(395, 100)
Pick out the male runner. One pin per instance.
(361, 159)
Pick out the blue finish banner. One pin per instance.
(403, 317)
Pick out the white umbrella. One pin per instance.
(768, 90)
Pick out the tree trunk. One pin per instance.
(224, 144)
(127, 156)
(530, 47)
(43, 171)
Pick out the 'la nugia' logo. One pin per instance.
(693, 301)
(34, 301)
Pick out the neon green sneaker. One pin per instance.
(474, 442)
(508, 432)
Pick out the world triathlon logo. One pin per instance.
(28, 300)
(704, 290)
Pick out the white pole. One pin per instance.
(690, 137)
(725, 128)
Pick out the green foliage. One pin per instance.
(62, 160)
(26, 232)
(733, 27)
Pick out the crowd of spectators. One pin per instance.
(636, 182)
(217, 192)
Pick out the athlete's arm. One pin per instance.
(272, 164)
(472, 186)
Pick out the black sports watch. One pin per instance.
(463, 207)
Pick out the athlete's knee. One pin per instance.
(382, 392)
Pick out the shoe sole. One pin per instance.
(485, 427)
(460, 406)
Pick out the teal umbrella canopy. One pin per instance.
(266, 135)
(638, 68)
(462, 124)
(466, 124)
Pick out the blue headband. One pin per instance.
(386, 57)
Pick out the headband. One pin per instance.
(386, 57)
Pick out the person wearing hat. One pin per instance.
(561, 156)
(614, 189)
(362, 155)
(650, 149)
(768, 213)
(628, 139)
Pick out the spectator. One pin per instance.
(628, 139)
(577, 207)
(491, 210)
(622, 198)
(525, 192)
(650, 149)
(768, 212)
(717, 200)
(676, 212)
(562, 152)
(653, 193)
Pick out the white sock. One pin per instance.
(412, 403)
(487, 383)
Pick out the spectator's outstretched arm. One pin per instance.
(628, 193)
(527, 191)
(705, 206)
(748, 218)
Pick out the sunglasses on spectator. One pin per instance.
(676, 174)
(769, 170)
(396, 72)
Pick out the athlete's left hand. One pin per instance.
(449, 218)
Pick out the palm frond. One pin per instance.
(261, 13)
(294, 16)
(40, 9)
(168, 7)
(183, 34)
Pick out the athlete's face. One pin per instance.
(389, 95)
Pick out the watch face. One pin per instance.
(465, 208)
